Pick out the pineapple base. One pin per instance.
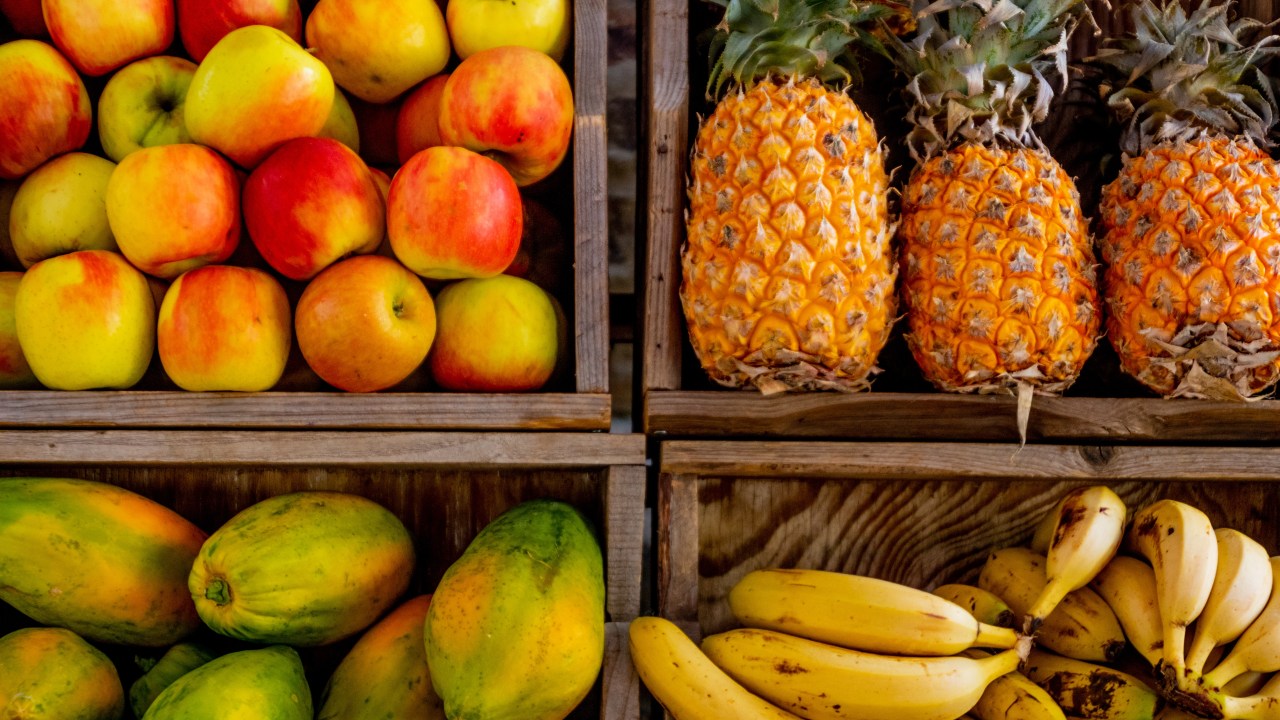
(1210, 364)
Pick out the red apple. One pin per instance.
(454, 214)
(44, 107)
(15, 373)
(26, 17)
(174, 208)
(202, 23)
(99, 36)
(365, 324)
(309, 204)
(512, 104)
(496, 334)
(418, 123)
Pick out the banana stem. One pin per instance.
(990, 636)
(1227, 670)
(1050, 597)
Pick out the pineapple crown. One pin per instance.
(980, 69)
(1178, 75)
(805, 38)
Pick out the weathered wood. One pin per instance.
(590, 209)
(624, 528)
(621, 684)
(678, 533)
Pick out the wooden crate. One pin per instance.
(445, 487)
(577, 399)
(679, 400)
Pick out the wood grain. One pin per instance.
(678, 513)
(624, 528)
(590, 209)
(621, 684)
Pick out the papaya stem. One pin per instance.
(218, 591)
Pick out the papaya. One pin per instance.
(53, 674)
(176, 662)
(265, 684)
(99, 560)
(385, 675)
(303, 569)
(516, 625)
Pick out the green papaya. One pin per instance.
(266, 684)
(302, 569)
(176, 662)
(53, 674)
(516, 626)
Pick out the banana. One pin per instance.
(685, 682)
(1258, 648)
(1082, 627)
(984, 606)
(1241, 588)
(1087, 532)
(1129, 587)
(1085, 690)
(1043, 535)
(1263, 705)
(824, 682)
(1014, 697)
(860, 613)
(1246, 684)
(1178, 541)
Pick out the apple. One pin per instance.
(512, 104)
(365, 323)
(341, 125)
(86, 320)
(44, 107)
(25, 16)
(202, 23)
(497, 334)
(99, 36)
(453, 214)
(418, 122)
(224, 328)
(15, 373)
(377, 49)
(8, 258)
(255, 90)
(174, 208)
(545, 255)
(62, 208)
(542, 25)
(143, 105)
(311, 203)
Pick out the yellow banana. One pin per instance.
(1129, 587)
(1014, 697)
(1087, 532)
(1178, 541)
(1083, 626)
(1085, 690)
(1241, 588)
(825, 682)
(1043, 535)
(685, 682)
(1246, 684)
(861, 613)
(1258, 648)
(1263, 705)
(985, 607)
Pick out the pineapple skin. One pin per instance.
(1191, 238)
(788, 271)
(999, 273)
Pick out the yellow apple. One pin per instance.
(143, 105)
(15, 373)
(495, 334)
(377, 49)
(541, 25)
(61, 208)
(341, 125)
(86, 320)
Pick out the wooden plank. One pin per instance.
(422, 411)
(590, 206)
(942, 416)
(624, 530)
(621, 684)
(321, 448)
(678, 514)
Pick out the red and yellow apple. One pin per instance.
(61, 208)
(454, 214)
(311, 203)
(44, 107)
(542, 25)
(418, 123)
(224, 328)
(174, 208)
(143, 105)
(86, 320)
(202, 23)
(25, 16)
(254, 91)
(365, 323)
(377, 49)
(512, 104)
(495, 334)
(15, 373)
(341, 125)
(99, 36)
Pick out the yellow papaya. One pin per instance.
(99, 560)
(53, 674)
(176, 662)
(516, 625)
(385, 675)
(268, 684)
(303, 569)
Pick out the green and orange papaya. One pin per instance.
(104, 562)
(303, 569)
(266, 684)
(516, 625)
(176, 662)
(53, 674)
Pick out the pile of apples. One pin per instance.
(141, 249)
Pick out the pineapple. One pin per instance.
(788, 275)
(999, 271)
(1191, 227)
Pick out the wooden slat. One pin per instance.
(420, 411)
(590, 207)
(678, 515)
(624, 528)
(941, 416)
(621, 684)
(321, 448)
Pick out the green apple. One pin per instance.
(142, 106)
(341, 125)
(15, 373)
(61, 208)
